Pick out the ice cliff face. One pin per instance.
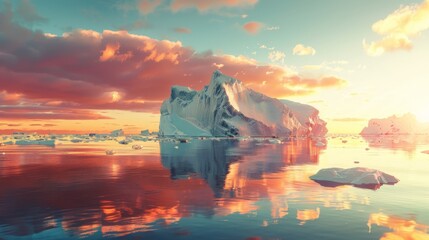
(226, 107)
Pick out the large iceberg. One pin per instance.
(406, 124)
(226, 107)
(357, 176)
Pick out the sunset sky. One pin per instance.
(99, 65)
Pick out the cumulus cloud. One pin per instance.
(398, 28)
(253, 27)
(302, 50)
(81, 71)
(206, 5)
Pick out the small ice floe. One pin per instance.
(358, 176)
(125, 141)
(110, 152)
(137, 147)
(176, 147)
(36, 142)
(275, 141)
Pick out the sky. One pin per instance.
(79, 66)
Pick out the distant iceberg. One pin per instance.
(117, 133)
(36, 142)
(363, 177)
(406, 124)
(226, 107)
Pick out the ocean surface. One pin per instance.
(212, 189)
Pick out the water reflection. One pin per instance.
(184, 190)
(407, 143)
(402, 228)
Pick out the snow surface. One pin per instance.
(226, 107)
(354, 176)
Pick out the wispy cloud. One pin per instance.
(183, 30)
(26, 11)
(148, 6)
(398, 28)
(277, 56)
(349, 119)
(207, 5)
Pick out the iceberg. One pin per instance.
(358, 176)
(36, 142)
(145, 132)
(227, 108)
(117, 133)
(406, 124)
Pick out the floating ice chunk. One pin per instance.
(145, 132)
(363, 177)
(275, 141)
(117, 133)
(36, 142)
(137, 147)
(110, 152)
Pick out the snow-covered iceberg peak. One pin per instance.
(226, 107)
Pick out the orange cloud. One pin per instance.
(206, 5)
(302, 50)
(398, 27)
(85, 69)
(253, 27)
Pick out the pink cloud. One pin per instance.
(253, 27)
(148, 6)
(182, 30)
(206, 5)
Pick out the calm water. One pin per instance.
(210, 189)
